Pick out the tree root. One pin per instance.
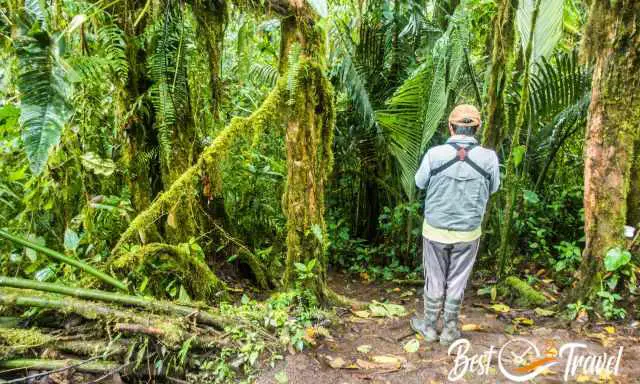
(334, 298)
(259, 271)
(527, 296)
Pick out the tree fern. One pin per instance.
(44, 93)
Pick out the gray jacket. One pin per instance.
(457, 197)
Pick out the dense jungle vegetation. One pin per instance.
(178, 179)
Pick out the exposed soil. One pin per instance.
(432, 363)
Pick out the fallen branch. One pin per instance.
(94, 294)
(90, 310)
(54, 366)
(62, 258)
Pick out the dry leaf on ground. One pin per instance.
(412, 346)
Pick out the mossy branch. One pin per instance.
(209, 160)
(527, 295)
(77, 365)
(173, 332)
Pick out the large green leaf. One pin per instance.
(98, 165)
(548, 26)
(43, 92)
(616, 258)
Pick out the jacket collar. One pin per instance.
(463, 139)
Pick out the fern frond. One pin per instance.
(167, 69)
(112, 43)
(263, 74)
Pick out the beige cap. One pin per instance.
(465, 115)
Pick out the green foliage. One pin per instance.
(44, 91)
(616, 258)
(548, 28)
(415, 111)
(305, 272)
(167, 69)
(549, 230)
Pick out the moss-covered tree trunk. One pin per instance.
(188, 217)
(613, 40)
(211, 19)
(138, 137)
(309, 138)
(633, 201)
(309, 160)
(502, 59)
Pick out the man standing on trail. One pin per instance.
(458, 176)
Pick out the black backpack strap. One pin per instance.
(461, 155)
(479, 169)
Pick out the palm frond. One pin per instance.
(352, 79)
(401, 120)
(548, 26)
(415, 111)
(558, 105)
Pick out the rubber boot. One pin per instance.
(427, 326)
(451, 330)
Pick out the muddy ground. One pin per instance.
(336, 359)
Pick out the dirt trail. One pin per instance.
(431, 363)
